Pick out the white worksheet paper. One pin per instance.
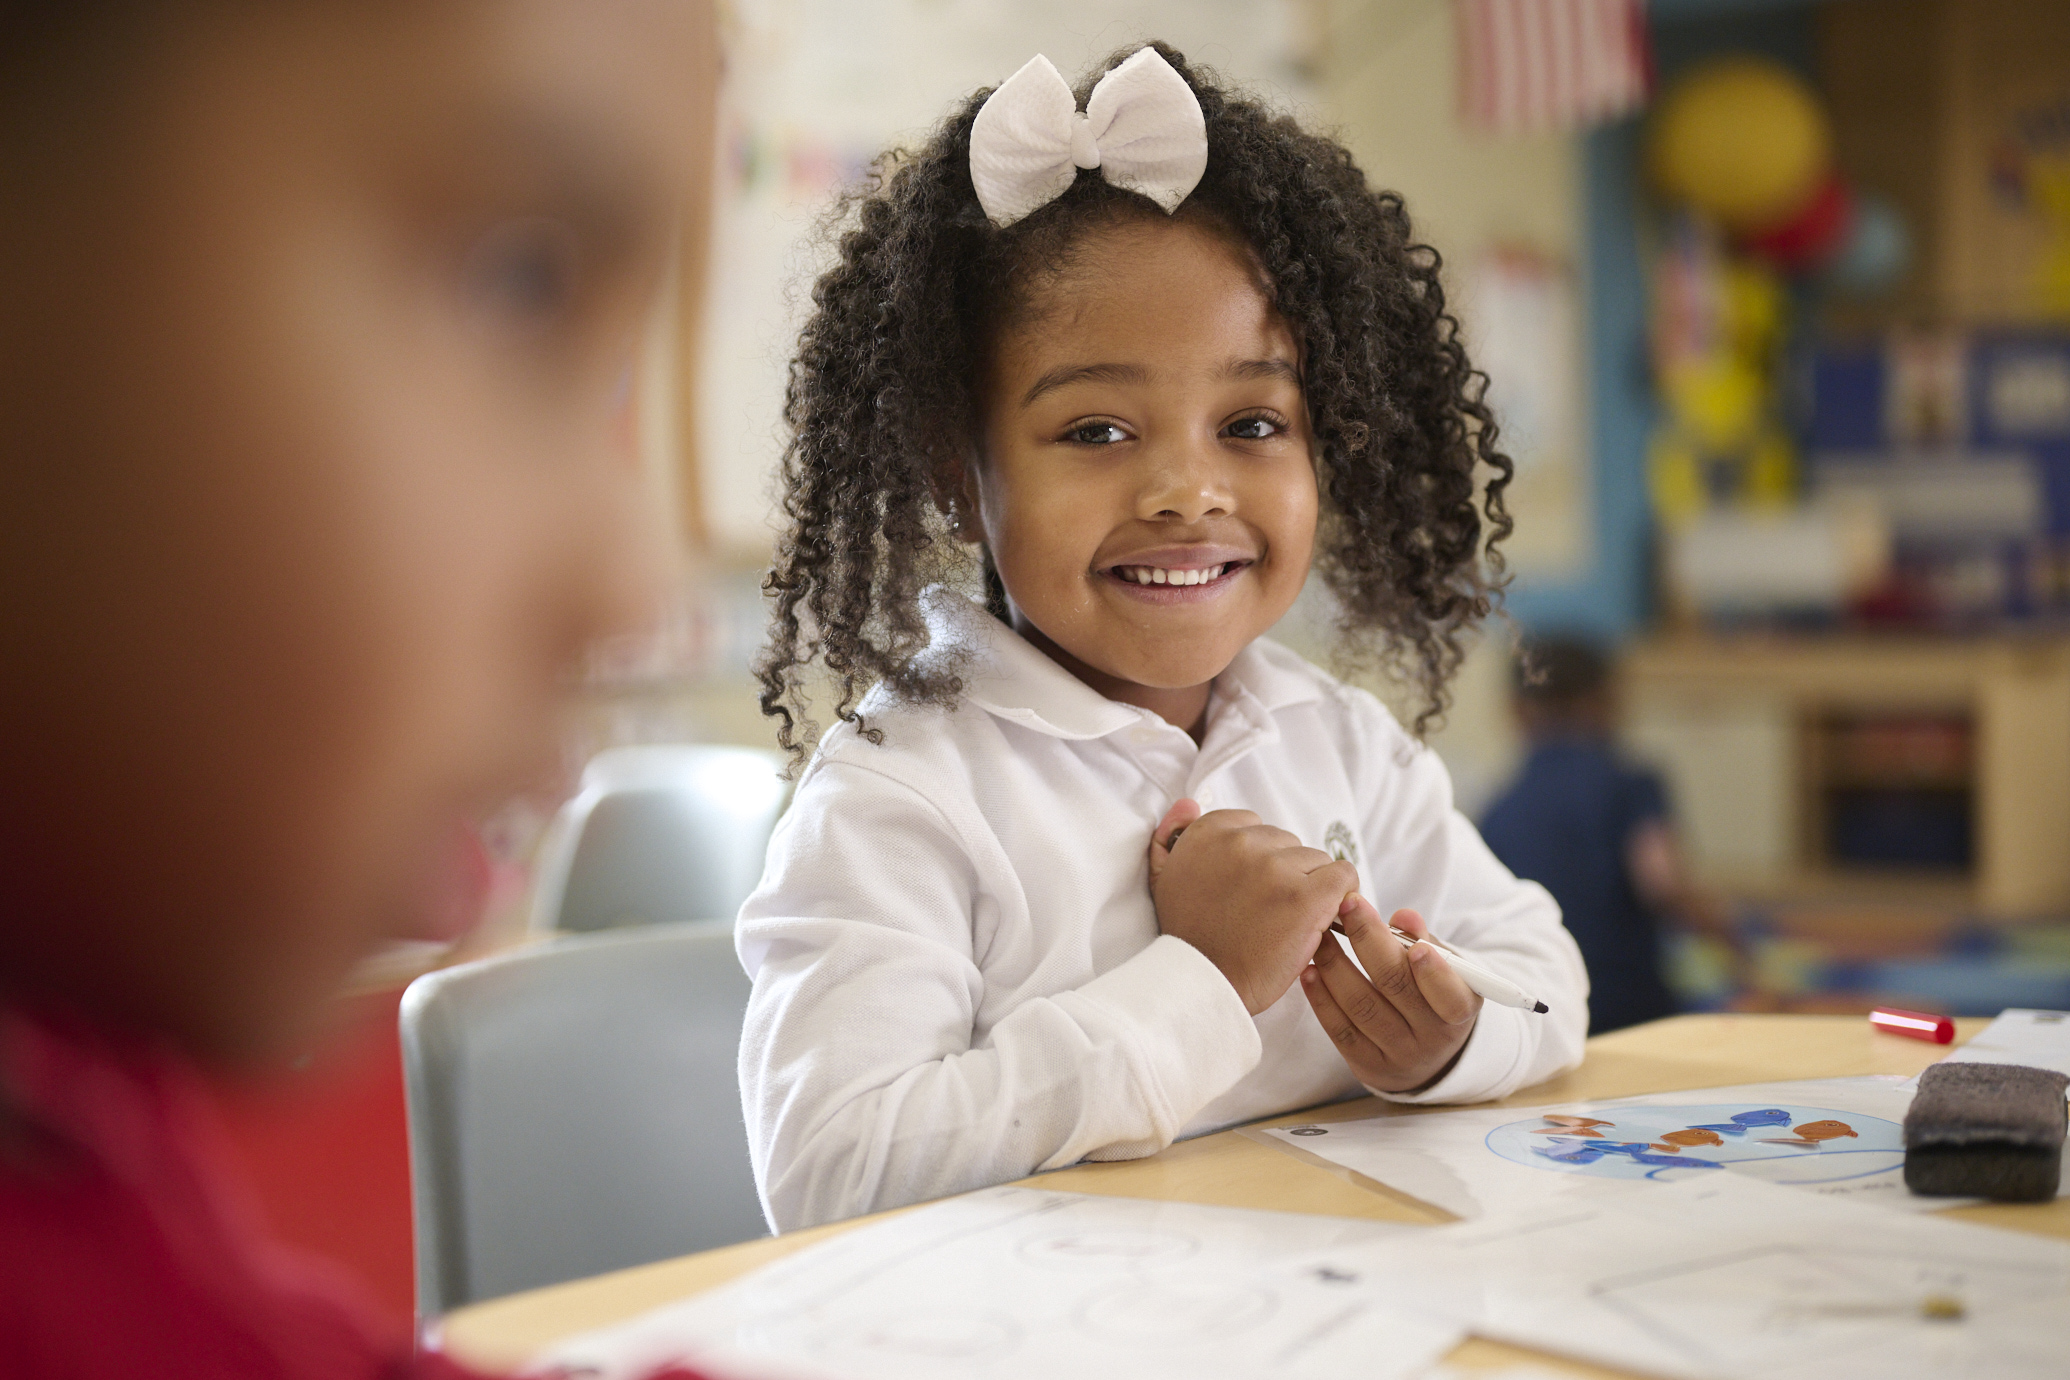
(2038, 1039)
(1026, 1284)
(1837, 1137)
(1724, 1276)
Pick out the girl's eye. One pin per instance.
(524, 273)
(1095, 434)
(1253, 429)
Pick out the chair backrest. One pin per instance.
(658, 834)
(575, 1108)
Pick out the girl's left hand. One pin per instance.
(1402, 1030)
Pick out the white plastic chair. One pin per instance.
(659, 834)
(574, 1108)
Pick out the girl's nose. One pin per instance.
(1185, 481)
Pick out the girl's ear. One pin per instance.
(955, 498)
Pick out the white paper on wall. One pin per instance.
(1523, 327)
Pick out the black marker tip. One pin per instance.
(1539, 1009)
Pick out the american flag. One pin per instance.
(1529, 65)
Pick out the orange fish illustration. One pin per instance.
(1563, 1125)
(1666, 1149)
(1812, 1133)
(1695, 1135)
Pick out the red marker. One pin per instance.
(1916, 1025)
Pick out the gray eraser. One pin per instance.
(1986, 1131)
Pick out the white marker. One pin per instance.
(1499, 990)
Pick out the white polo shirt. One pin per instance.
(958, 976)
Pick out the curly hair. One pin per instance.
(883, 403)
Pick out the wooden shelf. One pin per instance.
(1864, 781)
(1931, 889)
(1746, 726)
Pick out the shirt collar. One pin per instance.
(1270, 674)
(1006, 675)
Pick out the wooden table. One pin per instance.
(1234, 1169)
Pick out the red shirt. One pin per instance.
(126, 1249)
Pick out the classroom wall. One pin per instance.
(1388, 81)
(1388, 86)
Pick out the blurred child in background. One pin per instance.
(314, 323)
(1596, 832)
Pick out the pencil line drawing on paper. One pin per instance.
(1156, 1311)
(1801, 1300)
(1106, 1248)
(1026, 1284)
(935, 1336)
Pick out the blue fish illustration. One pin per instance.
(1642, 1153)
(1677, 1162)
(1742, 1122)
(1570, 1151)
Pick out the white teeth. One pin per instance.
(1158, 575)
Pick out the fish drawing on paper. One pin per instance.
(1811, 1134)
(1646, 1142)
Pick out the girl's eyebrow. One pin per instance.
(1067, 374)
(1274, 368)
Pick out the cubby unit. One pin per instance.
(1929, 770)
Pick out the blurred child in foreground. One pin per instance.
(1596, 832)
(315, 322)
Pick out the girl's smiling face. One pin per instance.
(1146, 486)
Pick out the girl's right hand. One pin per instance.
(1254, 899)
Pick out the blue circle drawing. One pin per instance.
(1782, 1144)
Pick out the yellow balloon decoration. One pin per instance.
(1675, 471)
(1720, 401)
(1742, 139)
(1719, 327)
(1755, 307)
(1771, 472)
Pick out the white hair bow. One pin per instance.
(1142, 128)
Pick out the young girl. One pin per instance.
(1047, 887)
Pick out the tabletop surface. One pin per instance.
(1235, 1169)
